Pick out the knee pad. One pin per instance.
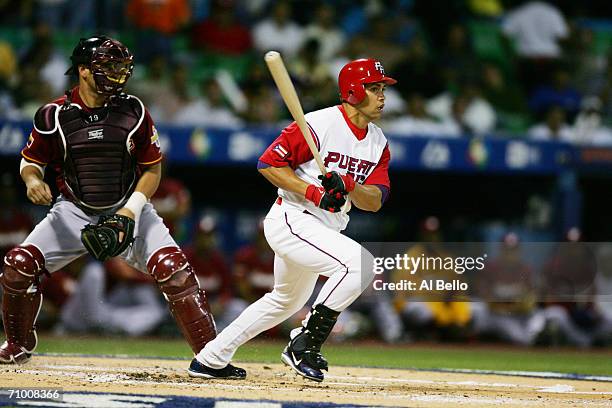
(22, 267)
(172, 272)
(166, 262)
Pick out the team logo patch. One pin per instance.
(280, 150)
(378, 66)
(96, 134)
(155, 137)
(30, 141)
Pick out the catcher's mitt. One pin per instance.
(102, 239)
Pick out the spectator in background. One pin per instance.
(445, 313)
(154, 85)
(42, 57)
(379, 39)
(156, 22)
(559, 93)
(279, 32)
(311, 75)
(603, 299)
(15, 223)
(588, 67)
(31, 92)
(537, 28)
(172, 201)
(56, 288)
(322, 28)
(213, 272)
(417, 72)
(506, 98)
(71, 15)
(208, 108)
(172, 99)
(352, 51)
(554, 128)
(17, 13)
(507, 288)
(8, 80)
(221, 32)
(588, 129)
(111, 15)
(416, 121)
(436, 17)
(457, 56)
(468, 109)
(567, 286)
(254, 268)
(111, 298)
(263, 105)
(604, 91)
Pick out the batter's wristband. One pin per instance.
(313, 194)
(349, 183)
(136, 203)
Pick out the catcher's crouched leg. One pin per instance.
(187, 302)
(20, 303)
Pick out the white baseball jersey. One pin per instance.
(306, 239)
(341, 150)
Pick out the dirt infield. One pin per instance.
(343, 385)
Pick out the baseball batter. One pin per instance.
(303, 226)
(104, 147)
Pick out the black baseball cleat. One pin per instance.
(229, 372)
(299, 364)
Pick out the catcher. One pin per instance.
(104, 147)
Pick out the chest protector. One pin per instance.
(98, 166)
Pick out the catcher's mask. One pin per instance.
(110, 62)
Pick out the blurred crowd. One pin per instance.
(562, 298)
(465, 67)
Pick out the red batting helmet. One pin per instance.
(355, 74)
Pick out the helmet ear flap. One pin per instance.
(356, 94)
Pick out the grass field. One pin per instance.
(421, 356)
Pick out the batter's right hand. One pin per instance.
(329, 202)
(39, 192)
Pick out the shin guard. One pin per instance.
(186, 300)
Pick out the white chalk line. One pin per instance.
(367, 380)
(67, 371)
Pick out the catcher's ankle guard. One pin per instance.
(320, 324)
(187, 302)
(22, 297)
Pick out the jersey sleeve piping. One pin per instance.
(32, 160)
(142, 116)
(151, 162)
(55, 124)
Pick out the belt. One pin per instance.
(279, 201)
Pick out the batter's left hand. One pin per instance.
(333, 183)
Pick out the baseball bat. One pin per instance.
(287, 90)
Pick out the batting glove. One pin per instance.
(329, 202)
(334, 182)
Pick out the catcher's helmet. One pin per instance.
(109, 60)
(355, 74)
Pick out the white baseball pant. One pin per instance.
(305, 248)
